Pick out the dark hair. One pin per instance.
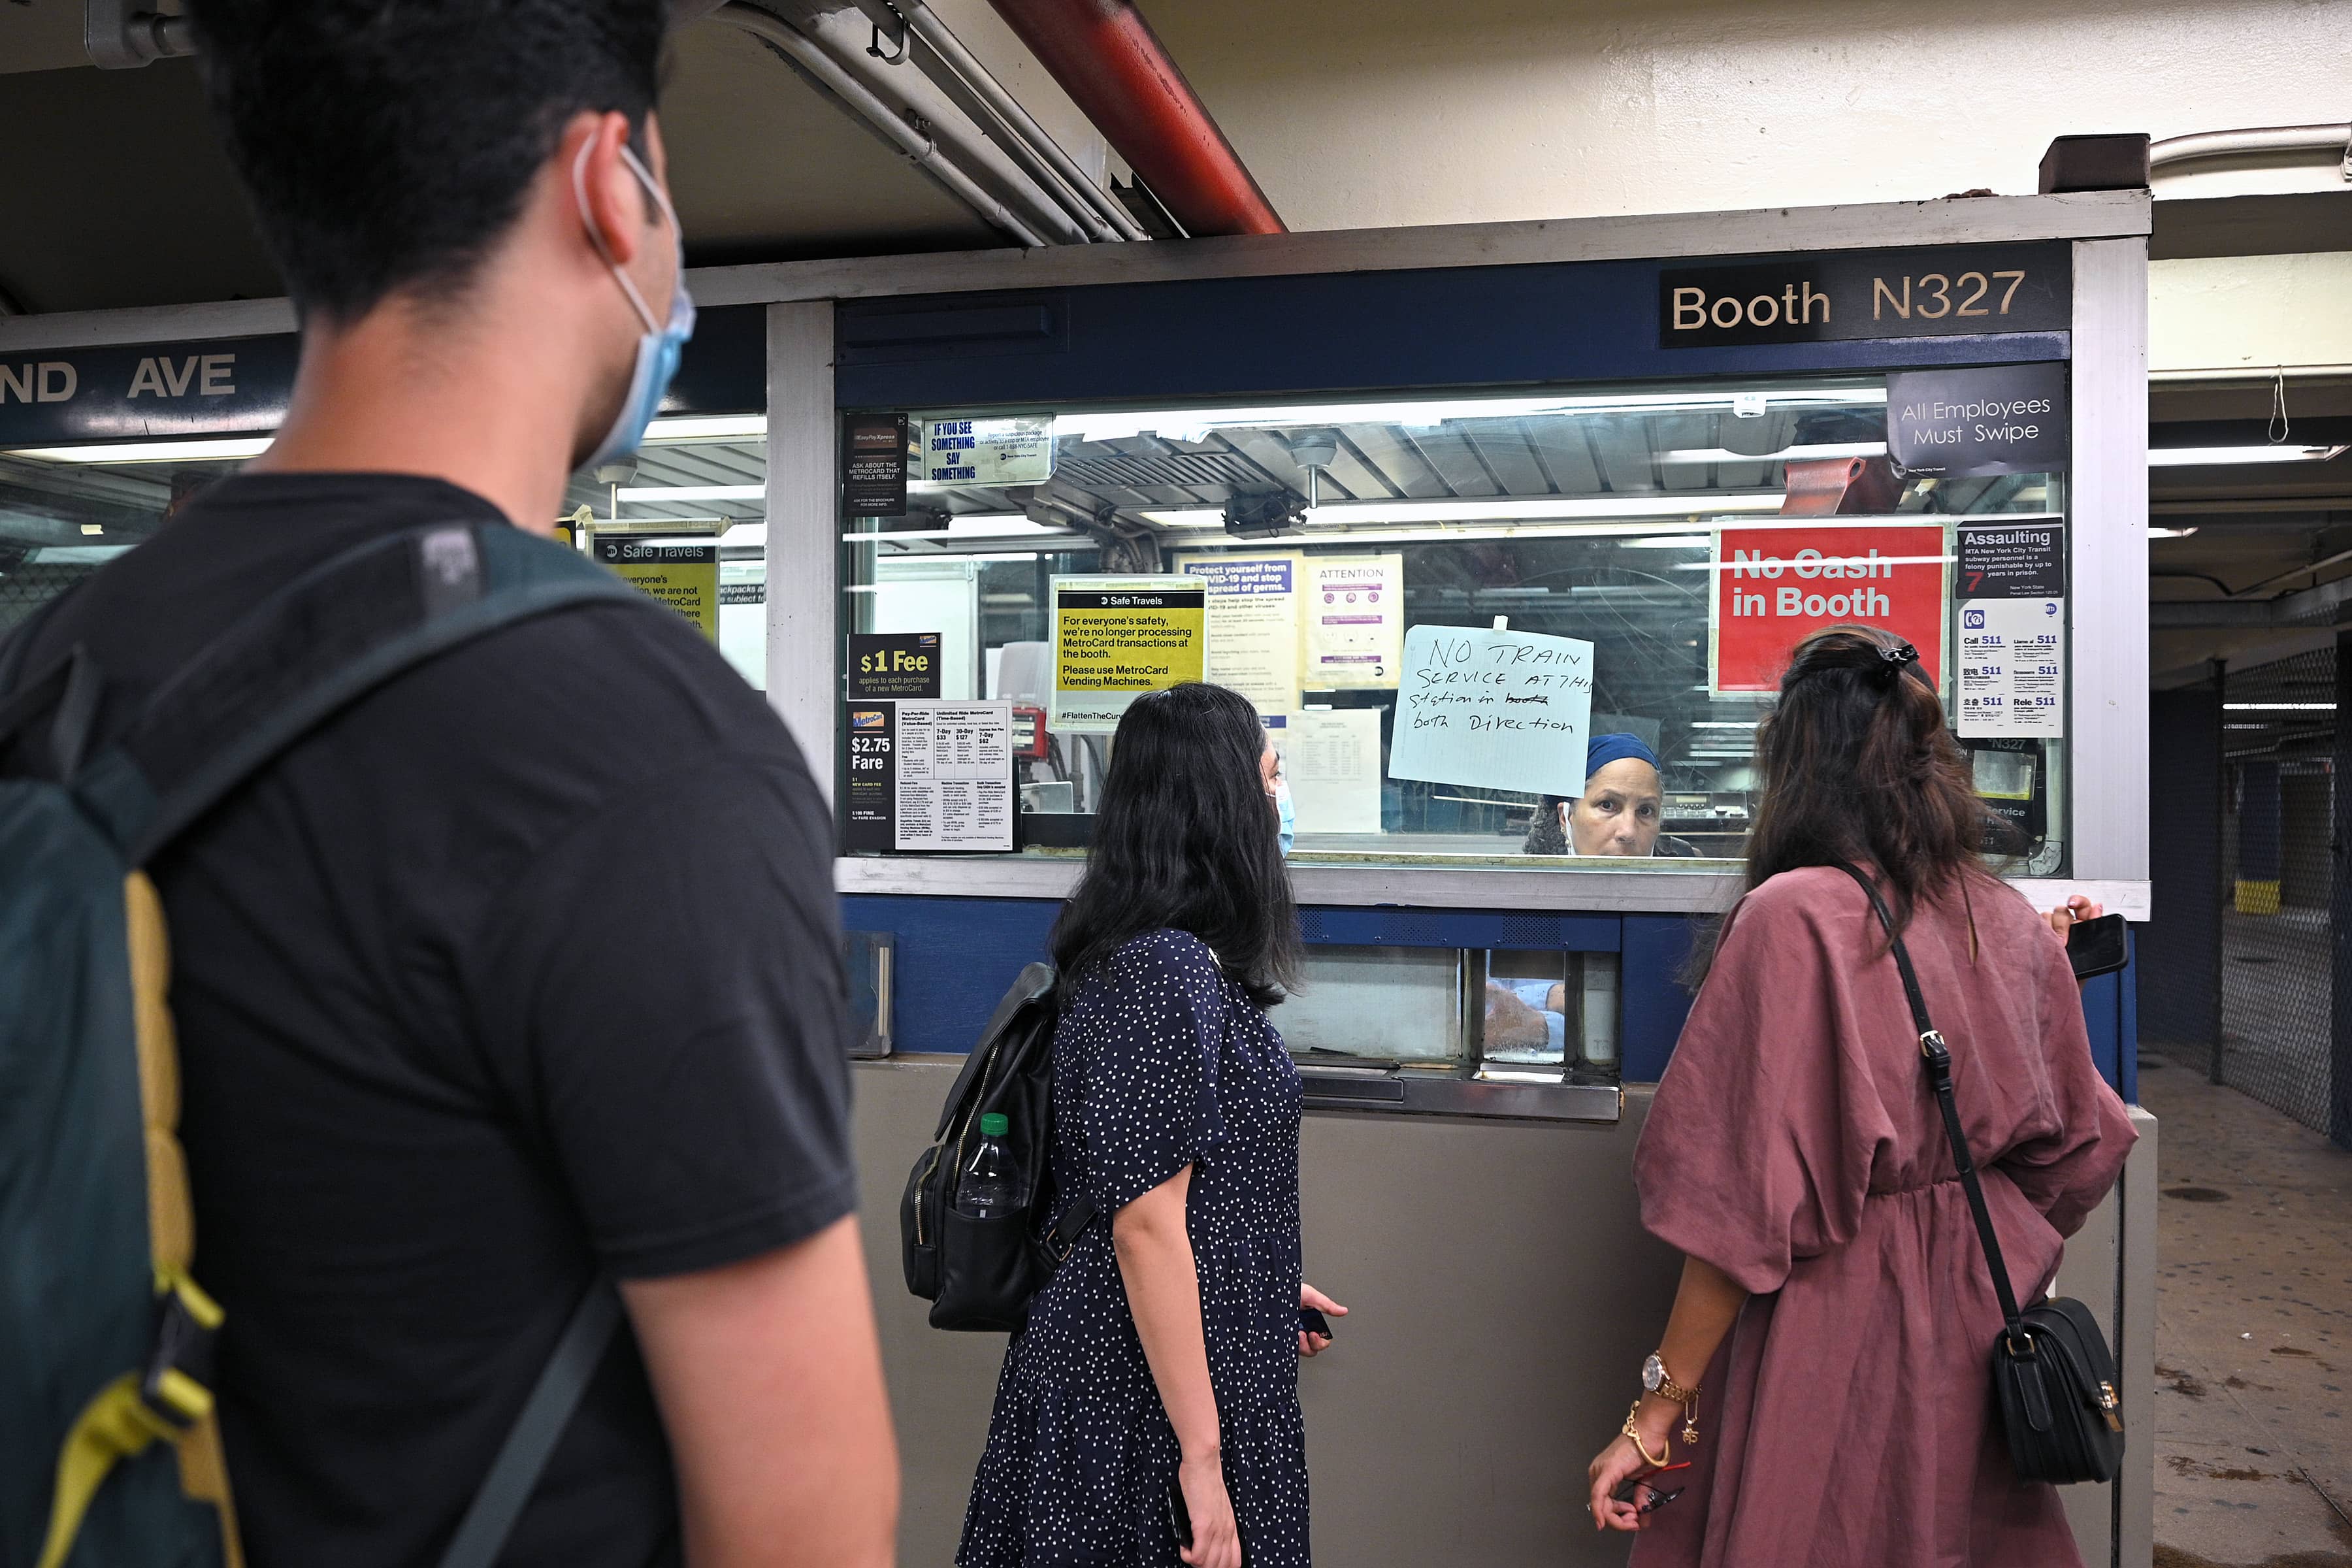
(1545, 835)
(1186, 838)
(387, 145)
(1858, 766)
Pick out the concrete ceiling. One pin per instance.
(120, 194)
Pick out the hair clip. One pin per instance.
(1893, 659)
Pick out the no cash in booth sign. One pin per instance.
(1776, 586)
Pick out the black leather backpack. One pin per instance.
(979, 1274)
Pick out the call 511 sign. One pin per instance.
(1776, 586)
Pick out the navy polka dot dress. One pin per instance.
(1160, 1062)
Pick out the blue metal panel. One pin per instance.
(1581, 321)
(1652, 1003)
(955, 957)
(1458, 928)
(2111, 1014)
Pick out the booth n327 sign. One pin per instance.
(1776, 586)
(1844, 294)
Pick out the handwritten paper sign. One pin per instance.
(1493, 709)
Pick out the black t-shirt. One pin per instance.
(524, 967)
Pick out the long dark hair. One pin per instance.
(1186, 838)
(1858, 766)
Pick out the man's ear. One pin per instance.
(617, 208)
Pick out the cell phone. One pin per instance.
(1179, 1518)
(2097, 947)
(1314, 1322)
(1644, 1493)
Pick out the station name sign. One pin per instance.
(1838, 295)
(228, 387)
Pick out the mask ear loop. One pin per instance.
(595, 238)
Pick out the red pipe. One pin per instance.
(1110, 61)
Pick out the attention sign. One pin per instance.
(1776, 586)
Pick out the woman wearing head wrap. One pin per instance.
(1618, 812)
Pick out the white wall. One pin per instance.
(1362, 112)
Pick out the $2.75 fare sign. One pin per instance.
(1776, 586)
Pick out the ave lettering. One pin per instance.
(161, 375)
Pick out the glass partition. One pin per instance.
(697, 489)
(1438, 602)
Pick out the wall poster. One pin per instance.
(931, 776)
(1115, 638)
(1776, 586)
(1355, 621)
(2012, 667)
(681, 571)
(1254, 624)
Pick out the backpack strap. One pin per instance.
(311, 649)
(578, 1352)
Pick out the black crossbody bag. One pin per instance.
(2053, 1376)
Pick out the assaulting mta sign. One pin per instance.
(1775, 586)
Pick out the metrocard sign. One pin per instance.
(1773, 588)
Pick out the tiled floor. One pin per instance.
(2254, 1336)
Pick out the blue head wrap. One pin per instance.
(1603, 750)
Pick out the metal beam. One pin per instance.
(2317, 606)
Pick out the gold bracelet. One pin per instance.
(1659, 1463)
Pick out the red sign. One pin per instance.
(1776, 586)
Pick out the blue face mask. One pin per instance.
(658, 349)
(1289, 818)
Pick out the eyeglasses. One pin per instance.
(1645, 1496)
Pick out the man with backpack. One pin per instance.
(504, 958)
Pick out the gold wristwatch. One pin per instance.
(1655, 1381)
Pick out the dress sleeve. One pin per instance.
(1759, 1146)
(2065, 1172)
(1149, 1105)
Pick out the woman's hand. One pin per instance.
(2071, 913)
(1316, 1344)
(1620, 1461)
(1216, 1538)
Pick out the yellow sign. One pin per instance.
(681, 572)
(1117, 637)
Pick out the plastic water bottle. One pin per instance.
(989, 1184)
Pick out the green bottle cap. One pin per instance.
(994, 1124)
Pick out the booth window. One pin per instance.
(695, 494)
(1438, 601)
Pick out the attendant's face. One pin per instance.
(1618, 813)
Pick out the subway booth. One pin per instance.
(1444, 503)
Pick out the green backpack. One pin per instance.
(110, 1452)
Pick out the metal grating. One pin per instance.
(2278, 881)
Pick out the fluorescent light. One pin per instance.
(1488, 509)
(2279, 706)
(661, 494)
(1668, 541)
(1193, 423)
(707, 428)
(212, 449)
(999, 525)
(1790, 454)
(2156, 533)
(2216, 457)
(1725, 723)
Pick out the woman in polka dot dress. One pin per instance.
(1161, 1362)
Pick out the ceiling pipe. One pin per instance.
(923, 148)
(1104, 218)
(1112, 65)
(2263, 141)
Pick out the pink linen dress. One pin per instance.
(1847, 1419)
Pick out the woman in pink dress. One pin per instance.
(1824, 1375)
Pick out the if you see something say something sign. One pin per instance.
(1494, 709)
